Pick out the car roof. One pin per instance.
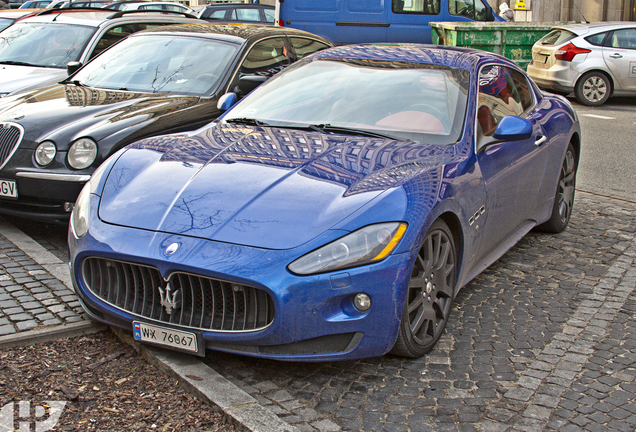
(95, 18)
(220, 5)
(232, 32)
(16, 13)
(584, 28)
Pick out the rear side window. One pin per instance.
(502, 91)
(304, 47)
(425, 7)
(270, 15)
(246, 14)
(597, 39)
(215, 14)
(556, 37)
(624, 39)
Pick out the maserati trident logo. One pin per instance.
(170, 303)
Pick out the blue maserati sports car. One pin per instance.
(333, 213)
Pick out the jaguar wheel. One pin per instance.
(430, 293)
(564, 199)
(593, 89)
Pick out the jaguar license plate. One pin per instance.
(8, 189)
(169, 338)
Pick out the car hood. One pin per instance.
(63, 113)
(17, 78)
(263, 187)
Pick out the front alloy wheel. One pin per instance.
(430, 294)
(564, 198)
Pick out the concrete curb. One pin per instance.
(200, 380)
(64, 331)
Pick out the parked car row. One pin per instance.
(255, 190)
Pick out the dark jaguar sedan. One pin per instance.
(159, 81)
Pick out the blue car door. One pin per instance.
(512, 171)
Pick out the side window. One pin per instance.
(473, 9)
(265, 58)
(624, 39)
(499, 96)
(270, 15)
(247, 14)
(216, 14)
(304, 47)
(112, 36)
(426, 7)
(175, 8)
(597, 39)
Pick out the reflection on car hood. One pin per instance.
(17, 78)
(63, 113)
(265, 187)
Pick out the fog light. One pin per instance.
(362, 302)
(68, 207)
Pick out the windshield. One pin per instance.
(159, 64)
(43, 44)
(406, 101)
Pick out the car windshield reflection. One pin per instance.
(43, 45)
(159, 64)
(407, 101)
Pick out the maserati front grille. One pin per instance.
(184, 299)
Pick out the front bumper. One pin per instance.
(315, 319)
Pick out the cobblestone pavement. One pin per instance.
(31, 297)
(542, 340)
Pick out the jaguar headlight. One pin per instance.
(369, 244)
(82, 153)
(81, 212)
(45, 153)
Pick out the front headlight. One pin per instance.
(82, 153)
(45, 153)
(81, 212)
(366, 245)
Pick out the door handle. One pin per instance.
(617, 55)
(540, 140)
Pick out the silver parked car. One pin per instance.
(593, 60)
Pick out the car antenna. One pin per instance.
(584, 19)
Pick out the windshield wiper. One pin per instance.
(327, 128)
(18, 63)
(247, 121)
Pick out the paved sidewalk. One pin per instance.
(35, 287)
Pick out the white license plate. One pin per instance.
(167, 337)
(8, 188)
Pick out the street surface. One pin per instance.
(545, 339)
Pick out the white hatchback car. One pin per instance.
(593, 60)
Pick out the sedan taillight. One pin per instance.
(568, 52)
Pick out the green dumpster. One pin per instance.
(513, 40)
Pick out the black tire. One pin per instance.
(593, 89)
(430, 294)
(564, 198)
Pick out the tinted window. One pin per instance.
(112, 36)
(427, 7)
(473, 9)
(502, 91)
(304, 47)
(597, 39)
(270, 15)
(265, 58)
(245, 14)
(556, 37)
(624, 39)
(216, 14)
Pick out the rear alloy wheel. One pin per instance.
(564, 199)
(430, 294)
(593, 89)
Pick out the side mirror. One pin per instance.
(513, 128)
(72, 67)
(247, 83)
(226, 101)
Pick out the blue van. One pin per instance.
(359, 21)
